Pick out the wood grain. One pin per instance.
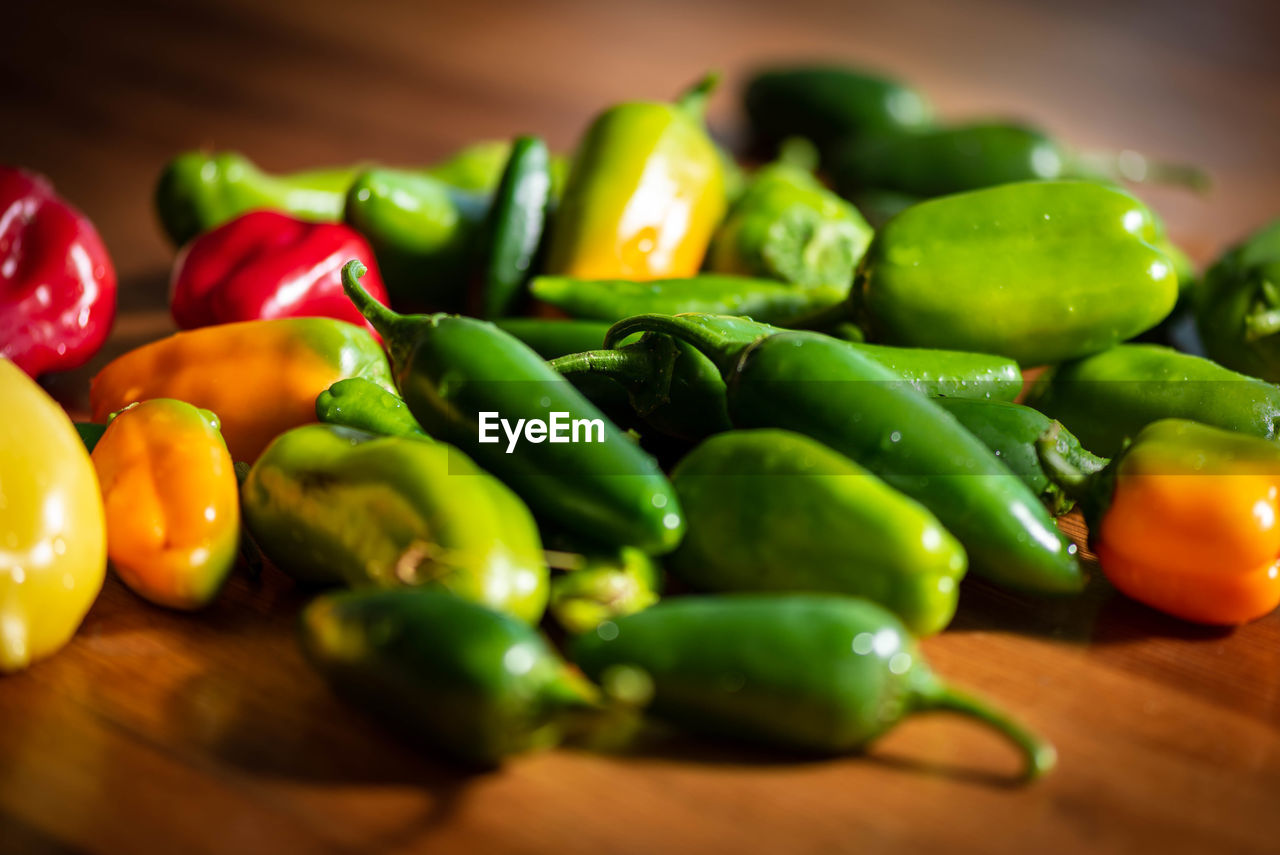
(160, 732)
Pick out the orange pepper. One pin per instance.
(259, 378)
(172, 502)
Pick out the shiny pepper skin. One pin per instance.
(265, 264)
(172, 502)
(1186, 520)
(644, 193)
(53, 543)
(57, 283)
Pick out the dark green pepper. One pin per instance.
(553, 337)
(826, 389)
(1108, 397)
(423, 231)
(763, 505)
(1238, 306)
(603, 587)
(364, 405)
(827, 104)
(813, 673)
(614, 299)
(334, 505)
(788, 226)
(1011, 431)
(1039, 272)
(513, 229)
(935, 161)
(461, 377)
(455, 676)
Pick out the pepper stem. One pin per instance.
(1060, 470)
(694, 99)
(625, 365)
(1040, 755)
(1261, 324)
(720, 349)
(381, 318)
(800, 153)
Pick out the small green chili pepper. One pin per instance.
(953, 159)
(461, 377)
(828, 390)
(1038, 271)
(788, 226)
(1108, 397)
(827, 104)
(364, 405)
(1011, 431)
(332, 505)
(614, 299)
(603, 587)
(808, 672)
(513, 229)
(762, 506)
(455, 676)
(423, 231)
(1238, 306)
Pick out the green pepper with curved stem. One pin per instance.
(513, 229)
(936, 161)
(787, 225)
(333, 505)
(762, 505)
(603, 587)
(1011, 431)
(827, 390)
(614, 299)
(423, 231)
(1238, 306)
(1108, 397)
(829, 103)
(450, 674)
(459, 374)
(364, 405)
(644, 193)
(1039, 271)
(814, 673)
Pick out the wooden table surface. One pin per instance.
(155, 731)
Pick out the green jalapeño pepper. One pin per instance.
(1238, 307)
(449, 674)
(423, 231)
(512, 231)
(332, 505)
(788, 226)
(827, 390)
(645, 191)
(1110, 396)
(827, 104)
(603, 587)
(612, 300)
(1039, 272)
(469, 383)
(1011, 431)
(813, 673)
(200, 190)
(762, 506)
(364, 405)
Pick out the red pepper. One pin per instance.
(264, 265)
(57, 283)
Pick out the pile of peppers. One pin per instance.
(816, 429)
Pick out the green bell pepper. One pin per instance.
(455, 676)
(332, 505)
(762, 507)
(1238, 306)
(603, 587)
(813, 673)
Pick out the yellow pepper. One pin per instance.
(644, 194)
(172, 502)
(53, 544)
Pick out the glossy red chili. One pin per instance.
(265, 264)
(57, 283)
